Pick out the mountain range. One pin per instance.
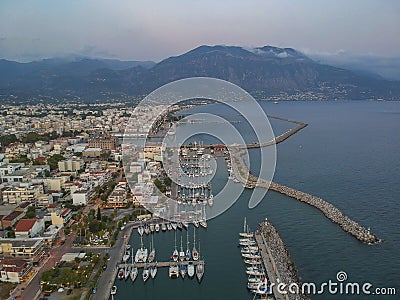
(266, 72)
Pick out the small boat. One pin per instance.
(190, 269)
(147, 229)
(179, 225)
(127, 271)
(195, 223)
(140, 230)
(163, 227)
(152, 254)
(134, 273)
(246, 232)
(211, 200)
(157, 227)
(141, 253)
(169, 226)
(175, 253)
(146, 274)
(182, 270)
(188, 253)
(182, 255)
(185, 225)
(203, 220)
(121, 274)
(126, 256)
(173, 271)
(153, 271)
(200, 271)
(195, 254)
(114, 290)
(174, 225)
(151, 227)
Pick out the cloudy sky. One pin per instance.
(153, 30)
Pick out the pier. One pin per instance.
(277, 262)
(163, 264)
(278, 139)
(330, 211)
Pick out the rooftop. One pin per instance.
(25, 225)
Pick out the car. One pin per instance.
(94, 290)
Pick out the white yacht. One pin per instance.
(200, 271)
(195, 254)
(173, 271)
(146, 274)
(153, 271)
(190, 269)
(211, 200)
(152, 254)
(134, 273)
(182, 255)
(114, 290)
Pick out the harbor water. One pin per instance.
(347, 155)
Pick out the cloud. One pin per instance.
(387, 67)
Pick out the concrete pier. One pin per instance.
(277, 262)
(162, 264)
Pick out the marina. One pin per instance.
(267, 263)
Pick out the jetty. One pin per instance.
(277, 262)
(243, 174)
(279, 138)
(162, 264)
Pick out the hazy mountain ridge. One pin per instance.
(265, 71)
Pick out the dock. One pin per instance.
(162, 264)
(269, 265)
(277, 262)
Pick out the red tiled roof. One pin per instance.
(40, 159)
(24, 204)
(52, 206)
(12, 215)
(24, 225)
(65, 212)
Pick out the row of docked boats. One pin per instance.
(169, 226)
(257, 281)
(178, 268)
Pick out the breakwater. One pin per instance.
(282, 269)
(350, 226)
(278, 139)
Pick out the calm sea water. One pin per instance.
(348, 155)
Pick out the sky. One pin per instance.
(154, 30)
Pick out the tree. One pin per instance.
(31, 213)
(53, 160)
(98, 216)
(94, 226)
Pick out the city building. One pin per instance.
(28, 248)
(105, 143)
(27, 228)
(70, 165)
(14, 270)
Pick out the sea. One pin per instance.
(349, 155)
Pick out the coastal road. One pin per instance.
(33, 287)
(107, 277)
